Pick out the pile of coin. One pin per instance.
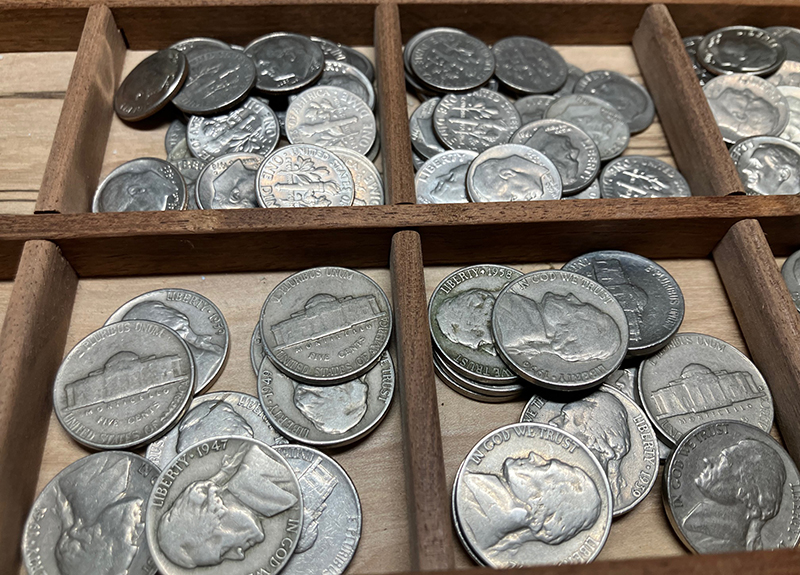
(220, 483)
(224, 151)
(751, 79)
(515, 122)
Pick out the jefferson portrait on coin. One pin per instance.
(145, 191)
(466, 318)
(210, 419)
(332, 409)
(743, 112)
(513, 179)
(772, 170)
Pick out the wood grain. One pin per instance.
(41, 26)
(31, 344)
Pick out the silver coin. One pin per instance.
(443, 178)
(528, 66)
(190, 170)
(419, 91)
(423, 136)
(124, 385)
(590, 193)
(573, 75)
(332, 51)
(691, 43)
(642, 177)
(787, 37)
(616, 431)
(191, 46)
(193, 317)
(257, 350)
(366, 178)
(745, 105)
(220, 414)
(141, 185)
(181, 151)
(150, 85)
(285, 62)
(530, 494)
(218, 80)
(474, 389)
(374, 150)
(475, 121)
(329, 415)
(252, 128)
(559, 330)
(460, 320)
(697, 378)
(326, 325)
(88, 519)
(791, 275)
(740, 50)
(175, 133)
(329, 117)
(512, 173)
(457, 525)
(532, 108)
(303, 176)
(599, 119)
(767, 166)
(451, 61)
(731, 487)
(419, 161)
(652, 299)
(573, 152)
(227, 505)
(331, 513)
(408, 49)
(630, 99)
(360, 61)
(787, 75)
(348, 77)
(229, 182)
(792, 95)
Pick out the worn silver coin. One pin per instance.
(787, 37)
(331, 513)
(528, 66)
(475, 121)
(218, 80)
(532, 108)
(252, 128)
(360, 61)
(590, 193)
(151, 85)
(530, 494)
(457, 525)
(451, 61)
(423, 136)
(691, 43)
(642, 177)
(652, 299)
(193, 317)
(599, 119)
(348, 77)
(181, 151)
(768, 166)
(630, 98)
(443, 178)
(326, 325)
(740, 50)
(191, 46)
(697, 378)
(787, 75)
(228, 505)
(257, 351)
(327, 415)
(124, 385)
(366, 178)
(175, 133)
(573, 75)
(730, 487)
(229, 182)
(408, 49)
(285, 62)
(190, 170)
(791, 275)
(476, 390)
(745, 105)
(141, 185)
(513, 173)
(88, 519)
(304, 176)
(419, 161)
(334, 52)
(792, 95)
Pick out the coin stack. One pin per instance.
(224, 151)
(515, 122)
(751, 79)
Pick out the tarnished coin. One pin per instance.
(530, 494)
(88, 519)
(229, 182)
(329, 415)
(528, 66)
(630, 98)
(331, 513)
(787, 75)
(460, 319)
(141, 185)
(326, 325)
(745, 105)
(443, 178)
(476, 390)
(190, 170)
(451, 61)
(285, 62)
(590, 193)
(559, 329)
(691, 43)
(532, 108)
(650, 296)
(573, 152)
(791, 275)
(193, 317)
(599, 119)
(191, 46)
(348, 77)
(227, 505)
(768, 166)
(368, 182)
(218, 80)
(304, 176)
(512, 173)
(124, 385)
(792, 95)
(175, 133)
(740, 50)
(642, 177)
(731, 487)
(573, 75)
(252, 128)
(475, 121)
(787, 37)
(150, 85)
(257, 350)
(616, 431)
(330, 117)
(221, 414)
(423, 136)
(697, 378)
